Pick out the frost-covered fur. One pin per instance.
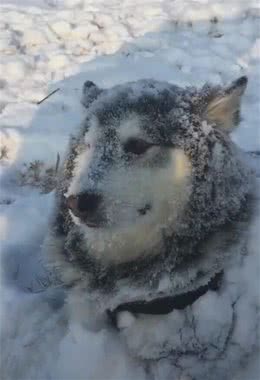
(166, 151)
(191, 177)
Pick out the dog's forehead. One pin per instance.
(137, 108)
(144, 98)
(118, 129)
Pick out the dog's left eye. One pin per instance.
(136, 146)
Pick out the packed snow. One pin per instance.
(58, 44)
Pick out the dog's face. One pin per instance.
(124, 177)
(131, 177)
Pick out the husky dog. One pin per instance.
(150, 207)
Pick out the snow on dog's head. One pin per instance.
(152, 165)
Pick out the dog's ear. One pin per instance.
(223, 109)
(90, 92)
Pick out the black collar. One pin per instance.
(165, 305)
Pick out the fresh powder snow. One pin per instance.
(49, 45)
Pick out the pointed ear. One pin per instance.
(90, 92)
(223, 109)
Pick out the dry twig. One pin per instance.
(46, 97)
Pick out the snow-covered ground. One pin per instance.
(58, 44)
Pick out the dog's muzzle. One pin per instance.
(165, 305)
(86, 206)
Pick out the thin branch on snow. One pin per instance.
(57, 163)
(46, 97)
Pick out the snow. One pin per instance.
(50, 44)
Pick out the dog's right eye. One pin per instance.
(136, 146)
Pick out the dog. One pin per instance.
(151, 204)
(149, 207)
(151, 173)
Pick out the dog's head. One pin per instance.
(142, 150)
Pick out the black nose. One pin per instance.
(84, 204)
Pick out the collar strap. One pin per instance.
(165, 305)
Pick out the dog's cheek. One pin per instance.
(126, 191)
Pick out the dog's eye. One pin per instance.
(136, 146)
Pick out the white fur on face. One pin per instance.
(130, 127)
(125, 190)
(80, 179)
